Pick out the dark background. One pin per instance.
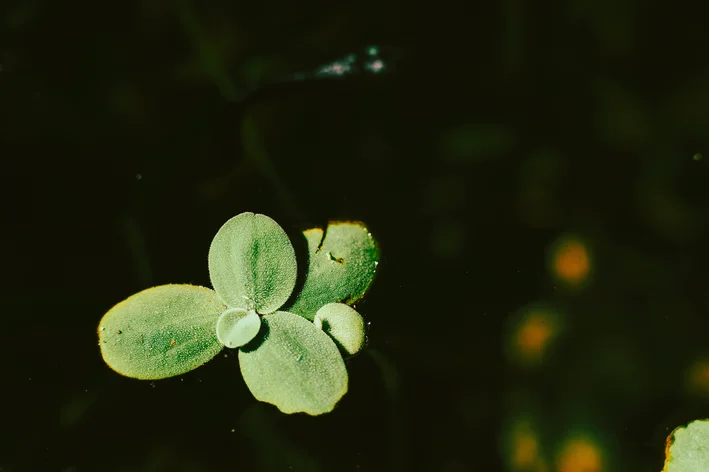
(129, 135)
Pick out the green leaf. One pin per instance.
(344, 325)
(161, 332)
(252, 263)
(236, 327)
(297, 367)
(688, 448)
(341, 267)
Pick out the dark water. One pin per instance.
(495, 147)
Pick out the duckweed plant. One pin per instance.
(291, 347)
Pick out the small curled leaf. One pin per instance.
(296, 367)
(161, 332)
(341, 267)
(344, 325)
(236, 327)
(252, 263)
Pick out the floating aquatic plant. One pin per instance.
(687, 448)
(290, 353)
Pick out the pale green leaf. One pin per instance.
(296, 366)
(252, 263)
(236, 327)
(341, 267)
(688, 448)
(161, 332)
(344, 325)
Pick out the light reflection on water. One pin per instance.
(369, 62)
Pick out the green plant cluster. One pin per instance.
(291, 346)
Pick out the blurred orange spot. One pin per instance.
(526, 449)
(579, 455)
(534, 335)
(698, 377)
(571, 262)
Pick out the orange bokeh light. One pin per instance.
(534, 335)
(525, 452)
(526, 449)
(534, 332)
(698, 377)
(580, 455)
(571, 261)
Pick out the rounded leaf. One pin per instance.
(161, 332)
(344, 325)
(296, 367)
(341, 267)
(688, 448)
(236, 327)
(252, 263)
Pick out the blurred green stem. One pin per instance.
(217, 70)
(213, 64)
(256, 151)
(136, 244)
(398, 430)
